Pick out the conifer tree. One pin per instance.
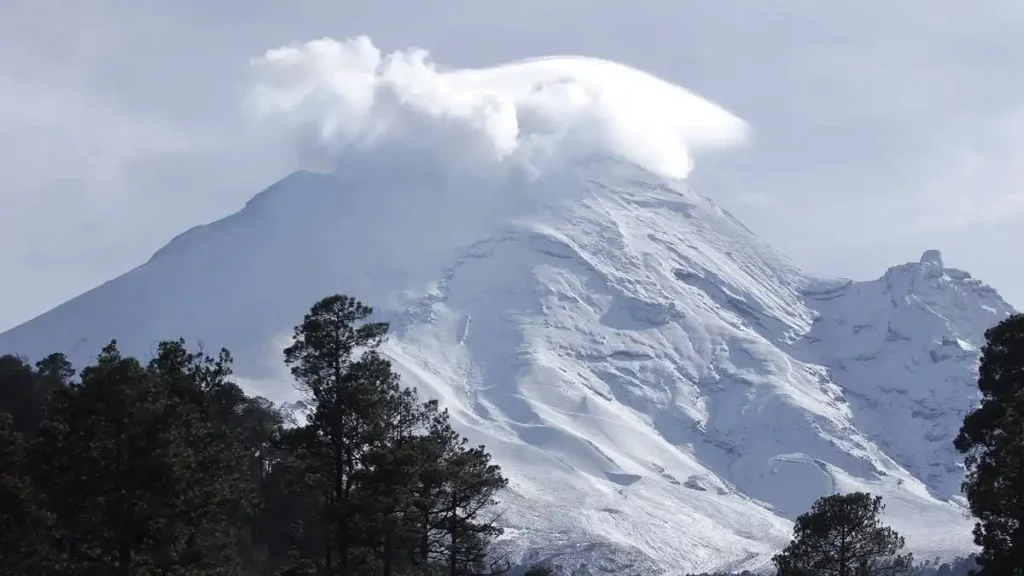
(216, 463)
(842, 535)
(170, 468)
(351, 398)
(20, 396)
(398, 491)
(54, 371)
(23, 389)
(992, 437)
(134, 476)
(471, 482)
(20, 520)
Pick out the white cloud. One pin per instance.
(345, 97)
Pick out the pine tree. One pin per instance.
(216, 508)
(352, 399)
(23, 389)
(842, 535)
(290, 513)
(470, 486)
(135, 477)
(20, 396)
(396, 490)
(20, 520)
(171, 469)
(422, 460)
(54, 371)
(440, 493)
(992, 437)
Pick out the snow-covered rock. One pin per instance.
(904, 348)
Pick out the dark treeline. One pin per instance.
(169, 468)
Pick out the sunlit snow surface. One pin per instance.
(663, 390)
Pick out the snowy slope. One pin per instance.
(903, 348)
(664, 391)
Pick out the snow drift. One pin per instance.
(664, 391)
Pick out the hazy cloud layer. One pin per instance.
(881, 128)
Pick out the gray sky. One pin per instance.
(881, 128)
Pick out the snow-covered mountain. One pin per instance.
(664, 391)
(660, 386)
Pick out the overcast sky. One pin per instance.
(881, 128)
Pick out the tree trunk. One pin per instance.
(844, 568)
(326, 523)
(388, 552)
(453, 529)
(425, 538)
(125, 530)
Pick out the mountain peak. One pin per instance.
(932, 258)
